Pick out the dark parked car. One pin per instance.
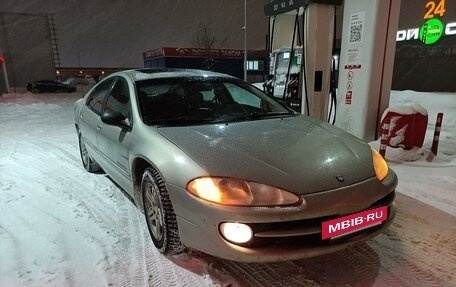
(219, 166)
(50, 86)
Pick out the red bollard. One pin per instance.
(435, 141)
(384, 137)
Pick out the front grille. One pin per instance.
(306, 231)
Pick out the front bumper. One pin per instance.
(281, 233)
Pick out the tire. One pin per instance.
(89, 164)
(159, 213)
(35, 90)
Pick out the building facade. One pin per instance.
(426, 46)
(26, 48)
(227, 61)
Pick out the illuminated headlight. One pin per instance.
(238, 192)
(236, 232)
(380, 166)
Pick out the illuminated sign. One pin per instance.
(413, 33)
(193, 52)
(431, 31)
(434, 9)
(433, 28)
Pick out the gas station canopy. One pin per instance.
(278, 7)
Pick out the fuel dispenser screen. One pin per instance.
(283, 82)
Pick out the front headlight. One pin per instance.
(228, 191)
(380, 166)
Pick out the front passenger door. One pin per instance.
(114, 141)
(89, 122)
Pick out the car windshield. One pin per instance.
(187, 101)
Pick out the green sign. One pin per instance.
(431, 31)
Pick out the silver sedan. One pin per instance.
(218, 166)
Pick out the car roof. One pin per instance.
(145, 74)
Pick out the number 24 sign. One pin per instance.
(434, 9)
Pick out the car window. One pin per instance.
(96, 99)
(119, 98)
(177, 101)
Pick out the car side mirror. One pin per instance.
(114, 118)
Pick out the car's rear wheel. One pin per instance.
(89, 164)
(159, 212)
(35, 90)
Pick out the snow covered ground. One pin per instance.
(60, 226)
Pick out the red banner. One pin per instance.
(193, 53)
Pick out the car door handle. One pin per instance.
(81, 115)
(98, 128)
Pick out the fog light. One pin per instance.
(236, 232)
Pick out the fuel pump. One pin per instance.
(366, 59)
(284, 62)
(268, 85)
(292, 98)
(301, 44)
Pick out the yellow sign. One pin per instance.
(434, 9)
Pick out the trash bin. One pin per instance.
(407, 127)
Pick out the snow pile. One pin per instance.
(406, 110)
(423, 175)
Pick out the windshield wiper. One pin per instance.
(253, 116)
(178, 121)
(262, 115)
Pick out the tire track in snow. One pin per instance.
(50, 159)
(423, 276)
(137, 258)
(418, 249)
(259, 274)
(133, 250)
(243, 273)
(362, 261)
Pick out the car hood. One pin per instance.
(296, 153)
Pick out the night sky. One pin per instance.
(114, 33)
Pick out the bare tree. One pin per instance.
(205, 39)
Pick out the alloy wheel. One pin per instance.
(154, 212)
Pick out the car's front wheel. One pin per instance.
(159, 212)
(35, 90)
(89, 164)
